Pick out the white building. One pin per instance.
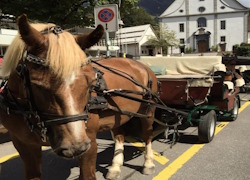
(6, 37)
(130, 40)
(134, 40)
(205, 24)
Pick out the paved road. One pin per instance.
(226, 157)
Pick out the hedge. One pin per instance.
(242, 50)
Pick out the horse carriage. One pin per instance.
(201, 86)
(56, 96)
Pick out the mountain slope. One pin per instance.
(155, 7)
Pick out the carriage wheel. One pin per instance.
(206, 127)
(235, 111)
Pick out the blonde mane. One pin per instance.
(64, 55)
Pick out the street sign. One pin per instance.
(107, 16)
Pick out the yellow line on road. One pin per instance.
(8, 157)
(244, 106)
(14, 155)
(158, 157)
(188, 154)
(173, 167)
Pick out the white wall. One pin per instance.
(6, 36)
(173, 24)
(234, 31)
(132, 49)
(195, 4)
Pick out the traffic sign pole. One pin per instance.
(107, 44)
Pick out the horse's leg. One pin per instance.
(88, 160)
(147, 132)
(115, 170)
(31, 155)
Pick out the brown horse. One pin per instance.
(55, 96)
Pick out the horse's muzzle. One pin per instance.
(73, 150)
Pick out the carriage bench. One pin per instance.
(192, 80)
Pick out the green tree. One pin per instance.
(165, 38)
(138, 16)
(130, 13)
(66, 13)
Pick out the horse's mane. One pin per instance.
(64, 56)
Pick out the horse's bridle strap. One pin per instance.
(35, 59)
(63, 119)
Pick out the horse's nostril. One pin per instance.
(73, 150)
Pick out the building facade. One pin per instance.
(130, 41)
(204, 25)
(135, 40)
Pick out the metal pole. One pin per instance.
(107, 44)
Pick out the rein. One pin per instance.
(99, 102)
(149, 94)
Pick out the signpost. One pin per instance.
(107, 16)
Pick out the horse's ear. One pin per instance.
(30, 35)
(86, 41)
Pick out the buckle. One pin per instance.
(57, 30)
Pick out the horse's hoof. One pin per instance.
(113, 175)
(148, 171)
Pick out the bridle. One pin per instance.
(43, 120)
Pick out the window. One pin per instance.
(223, 38)
(182, 41)
(201, 9)
(181, 27)
(222, 24)
(202, 22)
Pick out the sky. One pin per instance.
(246, 3)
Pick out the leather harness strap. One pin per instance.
(98, 102)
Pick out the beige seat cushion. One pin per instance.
(188, 65)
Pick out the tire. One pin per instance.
(235, 111)
(206, 127)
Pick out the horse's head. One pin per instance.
(57, 80)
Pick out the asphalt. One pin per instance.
(226, 157)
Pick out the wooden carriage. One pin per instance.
(202, 86)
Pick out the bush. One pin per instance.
(214, 48)
(188, 50)
(242, 50)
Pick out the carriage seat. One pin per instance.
(241, 68)
(187, 65)
(199, 69)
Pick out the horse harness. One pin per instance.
(98, 102)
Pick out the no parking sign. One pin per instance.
(107, 16)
